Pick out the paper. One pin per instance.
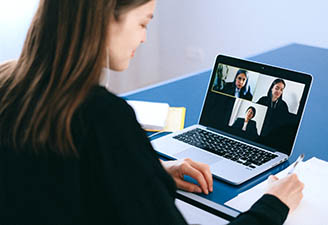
(151, 115)
(312, 209)
(155, 116)
(194, 215)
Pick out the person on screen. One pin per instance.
(274, 100)
(72, 152)
(239, 87)
(246, 127)
(220, 77)
(277, 107)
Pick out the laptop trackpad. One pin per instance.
(198, 155)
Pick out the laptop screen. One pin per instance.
(256, 103)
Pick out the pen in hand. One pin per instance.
(299, 159)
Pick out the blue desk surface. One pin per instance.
(190, 91)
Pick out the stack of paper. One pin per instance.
(154, 116)
(312, 209)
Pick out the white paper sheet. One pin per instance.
(151, 115)
(194, 215)
(312, 209)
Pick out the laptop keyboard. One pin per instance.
(225, 147)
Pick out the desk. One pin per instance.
(190, 90)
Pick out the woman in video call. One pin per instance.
(246, 127)
(239, 87)
(71, 152)
(277, 107)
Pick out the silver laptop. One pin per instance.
(249, 120)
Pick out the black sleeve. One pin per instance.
(229, 89)
(235, 124)
(262, 101)
(137, 188)
(254, 133)
(268, 210)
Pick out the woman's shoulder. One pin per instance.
(102, 102)
(253, 122)
(228, 86)
(99, 93)
(104, 112)
(263, 99)
(282, 102)
(239, 121)
(283, 105)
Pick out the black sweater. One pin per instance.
(118, 178)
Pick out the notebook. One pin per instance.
(249, 120)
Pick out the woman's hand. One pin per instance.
(288, 190)
(199, 171)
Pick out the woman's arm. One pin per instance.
(268, 210)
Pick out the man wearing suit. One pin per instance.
(246, 127)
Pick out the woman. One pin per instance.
(277, 108)
(273, 100)
(239, 87)
(247, 127)
(73, 153)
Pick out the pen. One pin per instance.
(299, 159)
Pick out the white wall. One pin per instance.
(192, 32)
(15, 18)
(185, 35)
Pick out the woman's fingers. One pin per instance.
(272, 178)
(205, 170)
(288, 190)
(188, 169)
(198, 171)
(187, 186)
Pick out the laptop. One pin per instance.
(249, 120)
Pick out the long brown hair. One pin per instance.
(61, 61)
